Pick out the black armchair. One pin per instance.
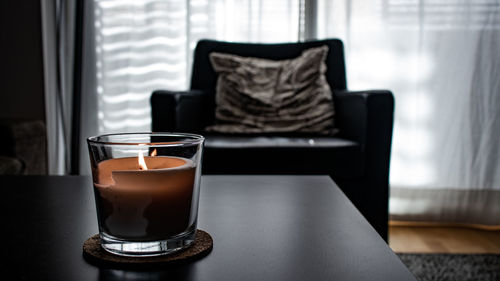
(357, 158)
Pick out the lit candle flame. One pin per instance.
(154, 153)
(142, 163)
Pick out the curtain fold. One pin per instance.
(88, 125)
(58, 23)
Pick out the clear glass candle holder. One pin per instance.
(146, 188)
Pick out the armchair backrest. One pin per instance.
(204, 77)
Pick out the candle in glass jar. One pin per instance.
(144, 201)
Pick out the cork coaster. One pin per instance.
(95, 254)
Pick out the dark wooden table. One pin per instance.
(264, 228)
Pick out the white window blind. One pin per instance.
(146, 45)
(441, 14)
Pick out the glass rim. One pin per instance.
(195, 139)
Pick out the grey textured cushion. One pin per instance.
(257, 95)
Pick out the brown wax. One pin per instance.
(144, 205)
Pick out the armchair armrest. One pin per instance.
(355, 111)
(367, 117)
(182, 111)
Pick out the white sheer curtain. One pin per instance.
(441, 58)
(146, 45)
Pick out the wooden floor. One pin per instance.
(436, 239)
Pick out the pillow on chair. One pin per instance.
(257, 95)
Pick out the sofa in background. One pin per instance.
(23, 149)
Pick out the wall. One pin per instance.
(21, 61)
